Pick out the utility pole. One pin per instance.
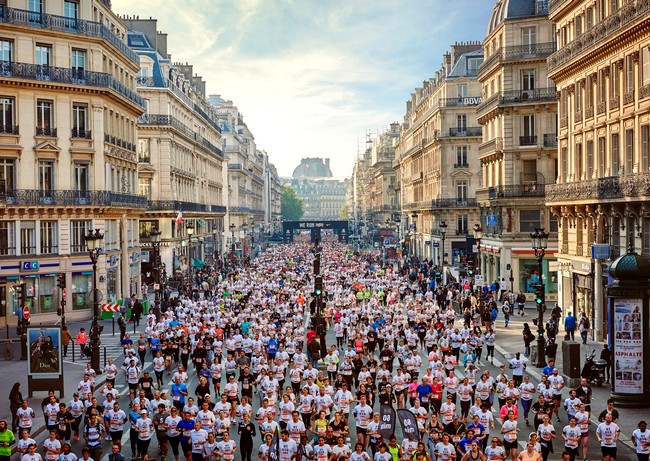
(318, 294)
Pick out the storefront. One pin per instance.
(583, 289)
(529, 276)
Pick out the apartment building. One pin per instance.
(68, 160)
(179, 157)
(602, 72)
(518, 155)
(437, 159)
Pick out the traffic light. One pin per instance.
(318, 285)
(60, 281)
(470, 268)
(539, 296)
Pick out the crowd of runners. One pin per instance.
(401, 339)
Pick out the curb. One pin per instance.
(625, 439)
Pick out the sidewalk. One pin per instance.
(16, 371)
(510, 339)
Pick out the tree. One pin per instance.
(344, 213)
(291, 206)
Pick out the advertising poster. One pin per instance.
(628, 346)
(44, 352)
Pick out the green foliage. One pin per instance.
(291, 206)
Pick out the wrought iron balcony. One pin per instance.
(632, 11)
(453, 203)
(517, 191)
(528, 140)
(525, 96)
(466, 131)
(69, 25)
(611, 187)
(9, 129)
(46, 131)
(69, 76)
(460, 101)
(550, 140)
(31, 197)
(531, 50)
(81, 134)
(168, 120)
(175, 205)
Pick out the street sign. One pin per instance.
(386, 242)
(398, 245)
(427, 243)
(600, 251)
(26, 312)
(478, 279)
(436, 244)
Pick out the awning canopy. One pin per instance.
(198, 263)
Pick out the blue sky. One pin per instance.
(311, 76)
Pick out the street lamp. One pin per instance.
(539, 242)
(414, 240)
(94, 242)
(189, 227)
(155, 243)
(443, 231)
(478, 235)
(232, 241)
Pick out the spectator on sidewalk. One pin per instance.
(66, 339)
(584, 327)
(570, 327)
(606, 355)
(521, 302)
(15, 402)
(551, 349)
(81, 340)
(528, 338)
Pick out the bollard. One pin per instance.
(105, 361)
(74, 347)
(113, 325)
(133, 320)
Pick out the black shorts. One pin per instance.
(216, 380)
(116, 435)
(161, 436)
(509, 445)
(186, 446)
(361, 430)
(133, 387)
(557, 397)
(611, 451)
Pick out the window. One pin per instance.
(578, 26)
(78, 231)
(8, 172)
(44, 114)
(613, 6)
(529, 171)
(81, 177)
(461, 122)
(589, 93)
(552, 223)
(615, 157)
(461, 189)
(590, 17)
(645, 134)
(462, 224)
(602, 86)
(529, 220)
(7, 115)
(144, 150)
(629, 73)
(528, 37)
(645, 63)
(629, 151)
(590, 159)
(49, 239)
(27, 238)
(461, 90)
(472, 65)
(7, 238)
(578, 164)
(145, 187)
(71, 12)
(528, 79)
(43, 53)
(565, 163)
(601, 157)
(80, 121)
(614, 80)
(111, 235)
(36, 8)
(461, 156)
(78, 63)
(528, 138)
(46, 175)
(578, 93)
(564, 101)
(6, 51)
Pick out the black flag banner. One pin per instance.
(274, 449)
(409, 425)
(387, 422)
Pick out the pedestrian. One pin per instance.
(551, 349)
(136, 309)
(506, 312)
(528, 338)
(606, 355)
(66, 339)
(81, 340)
(247, 433)
(121, 323)
(584, 326)
(570, 326)
(521, 303)
(15, 402)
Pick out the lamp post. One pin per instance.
(232, 241)
(189, 227)
(155, 243)
(478, 235)
(539, 242)
(414, 217)
(94, 242)
(441, 254)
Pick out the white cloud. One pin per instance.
(311, 76)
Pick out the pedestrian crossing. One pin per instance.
(110, 348)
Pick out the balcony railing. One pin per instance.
(119, 142)
(9, 129)
(453, 203)
(46, 131)
(175, 205)
(30, 197)
(69, 25)
(466, 131)
(611, 187)
(81, 134)
(532, 50)
(550, 140)
(590, 40)
(517, 191)
(460, 101)
(169, 120)
(524, 96)
(527, 140)
(69, 76)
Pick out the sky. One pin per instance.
(312, 77)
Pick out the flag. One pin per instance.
(387, 422)
(274, 448)
(179, 217)
(409, 425)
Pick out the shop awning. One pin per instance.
(198, 263)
